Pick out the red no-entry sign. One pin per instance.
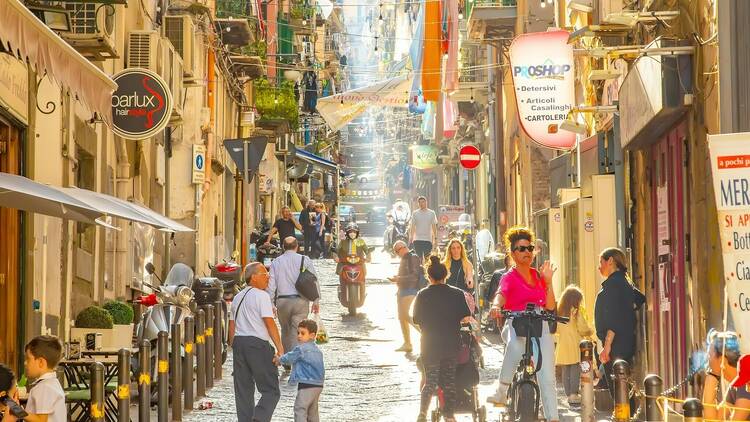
(470, 157)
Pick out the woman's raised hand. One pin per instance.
(548, 270)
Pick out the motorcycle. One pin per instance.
(352, 283)
(266, 252)
(398, 227)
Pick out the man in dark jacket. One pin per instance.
(308, 231)
(410, 274)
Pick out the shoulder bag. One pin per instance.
(307, 283)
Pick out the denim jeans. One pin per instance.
(514, 348)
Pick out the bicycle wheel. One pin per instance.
(526, 402)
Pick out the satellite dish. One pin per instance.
(299, 170)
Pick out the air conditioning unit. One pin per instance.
(92, 30)
(143, 50)
(180, 30)
(171, 69)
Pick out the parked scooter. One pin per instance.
(265, 252)
(226, 277)
(169, 304)
(398, 227)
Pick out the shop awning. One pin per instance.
(315, 160)
(256, 147)
(24, 194)
(119, 208)
(23, 34)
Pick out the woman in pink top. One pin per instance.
(518, 287)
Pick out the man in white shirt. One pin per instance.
(423, 229)
(251, 328)
(291, 305)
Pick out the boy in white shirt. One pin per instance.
(46, 401)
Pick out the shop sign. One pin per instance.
(447, 214)
(730, 166)
(199, 164)
(424, 157)
(141, 105)
(14, 86)
(544, 82)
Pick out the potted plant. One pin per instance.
(122, 317)
(92, 319)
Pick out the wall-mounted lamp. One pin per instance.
(56, 18)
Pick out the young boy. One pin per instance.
(46, 397)
(307, 371)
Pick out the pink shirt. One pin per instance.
(518, 293)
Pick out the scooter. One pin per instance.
(169, 304)
(352, 283)
(259, 237)
(398, 228)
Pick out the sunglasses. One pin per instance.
(529, 248)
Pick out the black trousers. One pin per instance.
(443, 374)
(309, 235)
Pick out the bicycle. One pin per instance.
(524, 394)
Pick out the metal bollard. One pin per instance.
(652, 385)
(200, 354)
(144, 381)
(218, 339)
(209, 346)
(123, 385)
(692, 410)
(96, 410)
(586, 348)
(162, 374)
(176, 376)
(621, 371)
(187, 364)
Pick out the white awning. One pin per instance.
(24, 34)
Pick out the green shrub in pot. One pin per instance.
(122, 313)
(94, 317)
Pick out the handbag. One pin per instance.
(526, 327)
(307, 283)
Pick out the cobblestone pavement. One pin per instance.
(366, 379)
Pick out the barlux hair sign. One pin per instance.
(141, 105)
(544, 83)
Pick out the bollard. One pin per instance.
(162, 374)
(652, 385)
(218, 339)
(692, 410)
(176, 376)
(200, 354)
(96, 410)
(621, 371)
(209, 346)
(187, 364)
(144, 381)
(586, 348)
(123, 385)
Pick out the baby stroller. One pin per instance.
(467, 379)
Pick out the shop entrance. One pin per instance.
(10, 250)
(668, 351)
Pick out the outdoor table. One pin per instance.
(78, 388)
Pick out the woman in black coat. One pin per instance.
(615, 310)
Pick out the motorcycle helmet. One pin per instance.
(351, 227)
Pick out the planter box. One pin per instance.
(116, 338)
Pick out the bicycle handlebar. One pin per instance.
(543, 315)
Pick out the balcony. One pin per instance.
(491, 19)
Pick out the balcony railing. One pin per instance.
(469, 4)
(233, 8)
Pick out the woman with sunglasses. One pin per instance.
(521, 285)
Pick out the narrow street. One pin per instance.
(366, 379)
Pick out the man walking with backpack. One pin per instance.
(291, 304)
(410, 279)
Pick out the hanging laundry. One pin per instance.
(431, 59)
(451, 66)
(450, 114)
(416, 99)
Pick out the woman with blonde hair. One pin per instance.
(460, 270)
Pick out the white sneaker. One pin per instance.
(574, 399)
(500, 398)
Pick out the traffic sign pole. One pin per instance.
(470, 158)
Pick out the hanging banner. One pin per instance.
(544, 81)
(730, 166)
(339, 109)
